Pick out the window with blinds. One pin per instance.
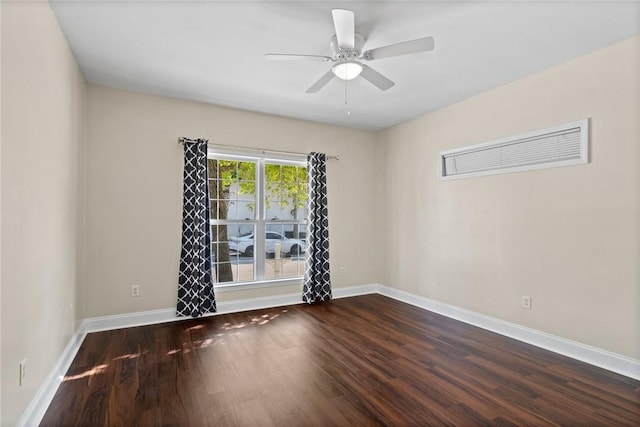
(561, 145)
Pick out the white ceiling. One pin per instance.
(213, 51)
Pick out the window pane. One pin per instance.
(245, 184)
(230, 252)
(289, 182)
(297, 231)
(227, 170)
(212, 166)
(272, 174)
(247, 171)
(246, 210)
(220, 233)
(246, 272)
(223, 272)
(273, 211)
(234, 208)
(278, 268)
(244, 230)
(230, 182)
(247, 191)
(241, 239)
(290, 237)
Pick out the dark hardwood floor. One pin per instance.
(361, 361)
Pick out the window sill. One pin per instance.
(221, 288)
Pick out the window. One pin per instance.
(258, 218)
(556, 146)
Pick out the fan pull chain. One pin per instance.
(346, 97)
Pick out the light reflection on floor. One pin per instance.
(88, 373)
(197, 344)
(225, 327)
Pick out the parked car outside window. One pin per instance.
(244, 244)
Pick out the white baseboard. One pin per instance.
(142, 318)
(611, 361)
(354, 291)
(41, 401)
(604, 359)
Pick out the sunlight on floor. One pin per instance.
(255, 320)
(218, 338)
(131, 355)
(89, 373)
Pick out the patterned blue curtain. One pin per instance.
(195, 284)
(317, 277)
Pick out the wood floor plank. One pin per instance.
(361, 361)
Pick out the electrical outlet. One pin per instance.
(23, 372)
(135, 290)
(342, 271)
(526, 302)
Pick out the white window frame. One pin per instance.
(583, 125)
(260, 158)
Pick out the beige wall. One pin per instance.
(134, 202)
(569, 237)
(43, 95)
(90, 196)
(0, 212)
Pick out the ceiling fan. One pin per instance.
(346, 46)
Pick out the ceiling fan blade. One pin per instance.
(344, 21)
(294, 57)
(404, 48)
(375, 78)
(322, 81)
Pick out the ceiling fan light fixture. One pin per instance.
(347, 70)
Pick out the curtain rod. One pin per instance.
(181, 141)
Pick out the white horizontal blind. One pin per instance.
(557, 146)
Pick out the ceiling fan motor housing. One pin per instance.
(347, 54)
